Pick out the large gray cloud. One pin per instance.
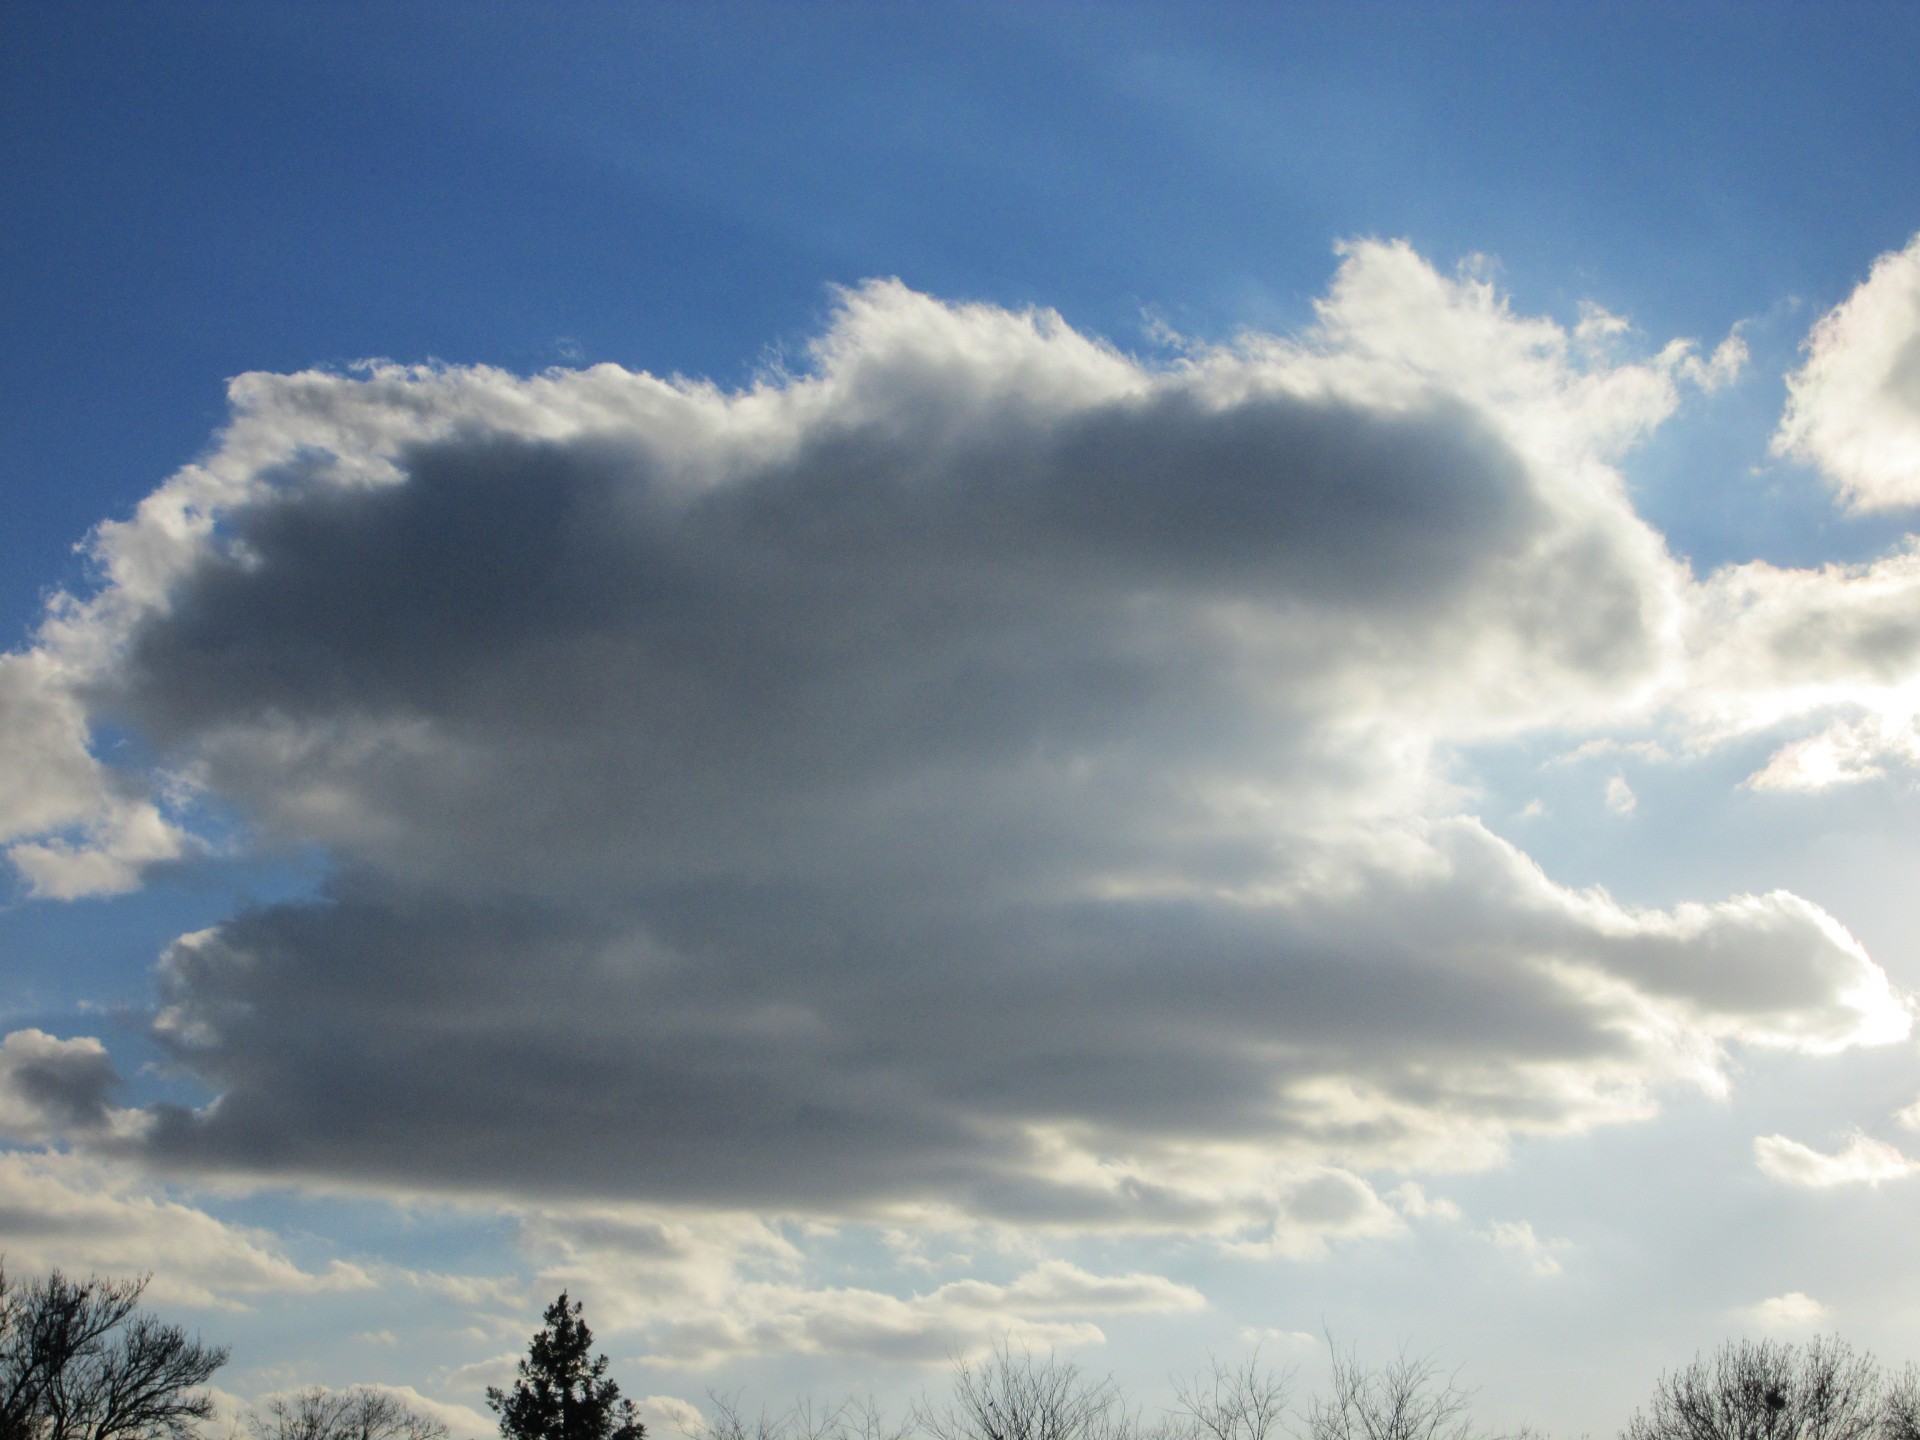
(1026, 652)
(738, 1045)
(50, 1086)
(986, 772)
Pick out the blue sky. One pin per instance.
(1168, 548)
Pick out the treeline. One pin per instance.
(1747, 1390)
(79, 1360)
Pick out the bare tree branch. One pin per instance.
(1011, 1395)
(1247, 1401)
(1409, 1398)
(78, 1361)
(1768, 1390)
(361, 1413)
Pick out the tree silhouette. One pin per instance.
(362, 1413)
(1770, 1390)
(1011, 1394)
(561, 1391)
(79, 1360)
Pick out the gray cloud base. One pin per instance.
(778, 1051)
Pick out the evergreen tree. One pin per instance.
(562, 1391)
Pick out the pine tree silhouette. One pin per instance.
(561, 1391)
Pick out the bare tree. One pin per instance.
(855, 1418)
(1767, 1390)
(361, 1413)
(1900, 1407)
(1011, 1395)
(1410, 1398)
(727, 1422)
(1244, 1401)
(80, 1361)
(862, 1418)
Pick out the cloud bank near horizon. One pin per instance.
(983, 778)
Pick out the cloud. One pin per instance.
(1620, 797)
(1415, 1203)
(669, 1414)
(1542, 1256)
(1834, 649)
(1794, 1311)
(1830, 655)
(1318, 1208)
(76, 829)
(463, 1422)
(1284, 1340)
(983, 775)
(703, 1287)
(1864, 1161)
(65, 1211)
(401, 1041)
(53, 1087)
(1047, 1308)
(1853, 409)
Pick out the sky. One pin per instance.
(865, 680)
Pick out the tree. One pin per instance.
(1769, 1390)
(855, 1418)
(1247, 1401)
(1900, 1407)
(1012, 1396)
(80, 1361)
(561, 1391)
(1410, 1398)
(361, 1413)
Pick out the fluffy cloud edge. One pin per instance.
(1853, 408)
(1862, 1161)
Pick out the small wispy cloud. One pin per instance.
(1863, 1161)
(1794, 1311)
(1620, 797)
(1542, 1255)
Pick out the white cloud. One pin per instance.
(867, 1324)
(1835, 650)
(1542, 1256)
(79, 1215)
(1415, 1203)
(703, 1288)
(1864, 1161)
(1265, 1335)
(88, 837)
(670, 1414)
(476, 1377)
(1854, 408)
(1319, 1208)
(1790, 1313)
(1620, 797)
